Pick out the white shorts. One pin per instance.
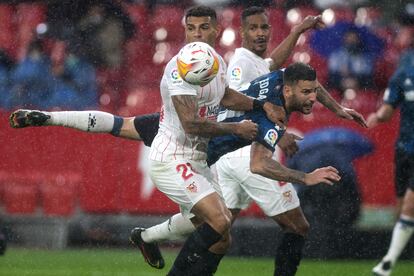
(185, 182)
(240, 187)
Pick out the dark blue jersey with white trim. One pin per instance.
(400, 93)
(266, 88)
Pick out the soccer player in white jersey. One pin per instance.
(178, 153)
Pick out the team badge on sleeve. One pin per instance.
(236, 74)
(271, 137)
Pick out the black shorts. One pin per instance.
(147, 127)
(404, 172)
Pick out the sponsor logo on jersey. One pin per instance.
(271, 137)
(175, 77)
(236, 74)
(209, 112)
(192, 188)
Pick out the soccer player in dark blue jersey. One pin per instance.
(400, 93)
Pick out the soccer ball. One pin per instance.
(197, 63)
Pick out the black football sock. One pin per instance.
(194, 249)
(212, 261)
(289, 254)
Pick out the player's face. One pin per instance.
(201, 29)
(302, 96)
(255, 33)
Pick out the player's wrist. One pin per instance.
(258, 105)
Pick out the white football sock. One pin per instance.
(401, 234)
(175, 228)
(92, 121)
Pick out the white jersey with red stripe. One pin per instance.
(171, 142)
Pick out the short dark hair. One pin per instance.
(251, 11)
(298, 71)
(201, 11)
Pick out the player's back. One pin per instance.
(171, 142)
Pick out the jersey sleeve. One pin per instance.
(237, 74)
(176, 85)
(147, 127)
(394, 94)
(269, 134)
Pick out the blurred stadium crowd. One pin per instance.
(110, 54)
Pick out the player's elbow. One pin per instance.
(257, 166)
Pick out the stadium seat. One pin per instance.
(28, 16)
(139, 15)
(277, 19)
(21, 193)
(343, 14)
(167, 28)
(58, 193)
(7, 37)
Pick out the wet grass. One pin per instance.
(21, 262)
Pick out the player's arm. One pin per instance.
(235, 100)
(383, 114)
(186, 108)
(326, 100)
(261, 162)
(281, 53)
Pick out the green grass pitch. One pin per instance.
(105, 262)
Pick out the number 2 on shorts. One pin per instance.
(183, 168)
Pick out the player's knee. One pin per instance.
(302, 228)
(222, 222)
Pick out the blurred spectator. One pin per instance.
(76, 86)
(32, 82)
(38, 83)
(349, 66)
(97, 28)
(6, 65)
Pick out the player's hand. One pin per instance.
(351, 114)
(325, 175)
(275, 113)
(288, 143)
(310, 22)
(372, 120)
(246, 129)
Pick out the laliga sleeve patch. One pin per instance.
(175, 77)
(236, 74)
(271, 137)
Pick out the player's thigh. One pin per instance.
(211, 209)
(293, 221)
(229, 177)
(273, 197)
(184, 182)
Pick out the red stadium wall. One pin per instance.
(57, 170)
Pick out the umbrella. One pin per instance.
(354, 143)
(327, 40)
